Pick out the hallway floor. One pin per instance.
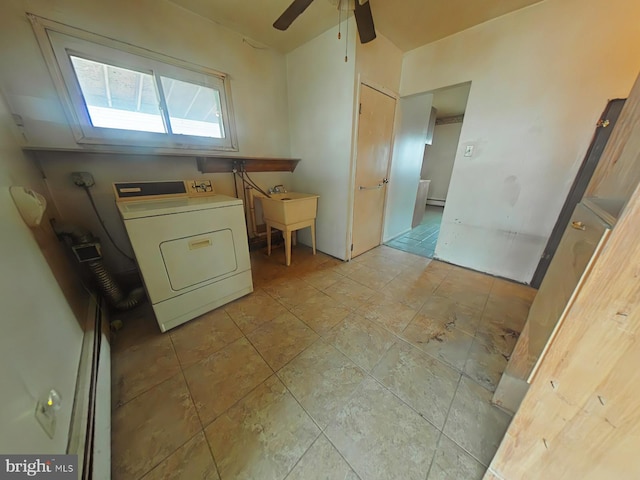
(381, 368)
(422, 239)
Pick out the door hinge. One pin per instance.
(352, 247)
(603, 123)
(360, 109)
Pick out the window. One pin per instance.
(124, 95)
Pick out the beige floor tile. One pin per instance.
(448, 312)
(406, 259)
(322, 462)
(428, 277)
(423, 382)
(381, 437)
(225, 377)
(254, 310)
(322, 278)
(511, 310)
(263, 436)
(374, 278)
(439, 339)
(387, 311)
(485, 365)
(321, 313)
(410, 292)
(464, 275)
(322, 379)
(361, 340)
(138, 326)
(290, 291)
(438, 267)
(381, 262)
(452, 463)
(191, 461)
(475, 424)
(142, 366)
(350, 293)
(281, 339)
(150, 427)
(500, 335)
(470, 293)
(202, 336)
(507, 289)
(342, 267)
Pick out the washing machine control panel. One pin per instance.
(155, 190)
(200, 187)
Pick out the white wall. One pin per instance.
(412, 121)
(41, 337)
(258, 83)
(541, 77)
(438, 159)
(379, 63)
(321, 110)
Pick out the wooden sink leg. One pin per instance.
(313, 236)
(268, 239)
(287, 246)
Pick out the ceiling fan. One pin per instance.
(361, 11)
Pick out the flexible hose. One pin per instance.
(112, 290)
(107, 284)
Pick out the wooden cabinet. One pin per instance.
(581, 243)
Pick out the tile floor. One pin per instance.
(422, 239)
(381, 368)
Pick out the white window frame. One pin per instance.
(58, 41)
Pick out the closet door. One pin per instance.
(581, 243)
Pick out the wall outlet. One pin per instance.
(46, 417)
(83, 179)
(468, 151)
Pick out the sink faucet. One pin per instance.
(278, 189)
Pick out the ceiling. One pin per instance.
(408, 24)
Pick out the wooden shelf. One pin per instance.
(207, 162)
(220, 164)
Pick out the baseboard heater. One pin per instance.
(90, 431)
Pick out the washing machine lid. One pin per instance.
(167, 206)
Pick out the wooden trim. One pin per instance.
(206, 162)
(248, 164)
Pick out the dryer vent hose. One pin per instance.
(107, 284)
(112, 290)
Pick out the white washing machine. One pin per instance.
(190, 244)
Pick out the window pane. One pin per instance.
(193, 109)
(117, 97)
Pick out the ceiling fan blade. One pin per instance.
(291, 13)
(364, 21)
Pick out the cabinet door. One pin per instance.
(581, 242)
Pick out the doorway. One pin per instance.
(441, 147)
(375, 130)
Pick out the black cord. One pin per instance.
(95, 209)
(254, 185)
(235, 183)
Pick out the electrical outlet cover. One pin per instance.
(83, 179)
(46, 418)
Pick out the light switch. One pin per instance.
(468, 151)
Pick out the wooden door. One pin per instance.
(375, 130)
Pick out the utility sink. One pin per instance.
(289, 208)
(288, 212)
